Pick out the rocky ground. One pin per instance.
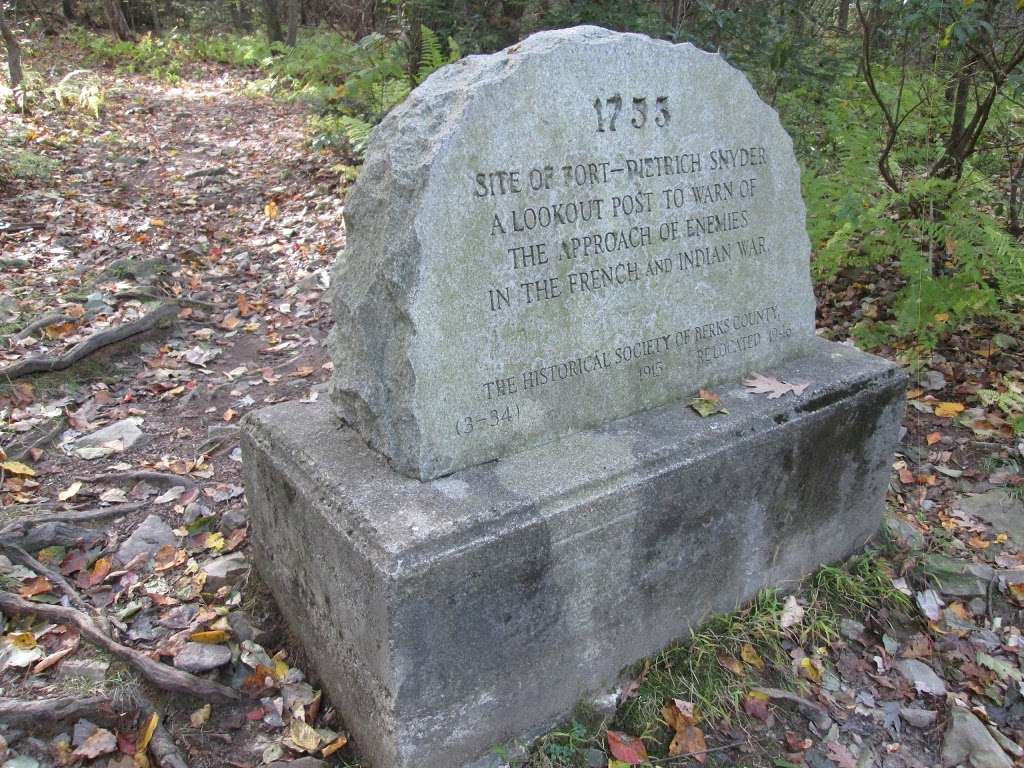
(164, 272)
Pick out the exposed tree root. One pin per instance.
(19, 555)
(162, 315)
(55, 710)
(43, 321)
(165, 677)
(20, 527)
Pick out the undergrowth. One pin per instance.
(703, 668)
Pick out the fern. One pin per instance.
(432, 57)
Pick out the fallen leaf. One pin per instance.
(949, 410)
(146, 733)
(168, 556)
(731, 663)
(933, 437)
(809, 670)
(707, 403)
(35, 586)
(270, 210)
(840, 755)
(70, 491)
(303, 735)
(774, 388)
(17, 468)
(626, 748)
(211, 636)
(750, 655)
(100, 570)
(334, 746)
(755, 704)
(101, 742)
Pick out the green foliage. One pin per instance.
(951, 250)
(80, 90)
(17, 162)
(692, 670)
(432, 57)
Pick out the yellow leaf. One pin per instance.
(24, 641)
(949, 410)
(270, 209)
(280, 669)
(1002, 537)
(913, 394)
(17, 468)
(211, 636)
(70, 491)
(809, 670)
(304, 736)
(751, 656)
(215, 541)
(146, 733)
(941, 317)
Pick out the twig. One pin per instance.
(685, 755)
(162, 675)
(143, 474)
(46, 364)
(180, 300)
(18, 554)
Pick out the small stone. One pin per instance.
(999, 509)
(851, 630)
(194, 511)
(302, 762)
(202, 657)
(1008, 745)
(595, 758)
(151, 534)
(93, 670)
(232, 519)
(968, 742)
(956, 577)
(113, 438)
(922, 676)
(918, 718)
(933, 380)
(225, 570)
(243, 628)
(83, 730)
(905, 533)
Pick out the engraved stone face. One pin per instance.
(583, 226)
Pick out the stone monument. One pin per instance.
(507, 500)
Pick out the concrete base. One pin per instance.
(446, 617)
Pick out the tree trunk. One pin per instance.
(70, 12)
(843, 17)
(13, 60)
(116, 20)
(273, 21)
(294, 16)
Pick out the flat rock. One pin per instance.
(93, 670)
(151, 534)
(517, 271)
(904, 532)
(999, 509)
(922, 676)
(968, 742)
(918, 718)
(202, 657)
(113, 438)
(226, 570)
(957, 577)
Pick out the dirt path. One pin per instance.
(194, 192)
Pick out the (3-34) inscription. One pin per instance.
(564, 267)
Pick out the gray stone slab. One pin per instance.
(584, 226)
(446, 617)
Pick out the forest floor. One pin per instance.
(193, 217)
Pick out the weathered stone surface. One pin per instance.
(445, 617)
(1000, 509)
(113, 438)
(225, 570)
(968, 742)
(202, 657)
(922, 676)
(151, 534)
(584, 226)
(956, 577)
